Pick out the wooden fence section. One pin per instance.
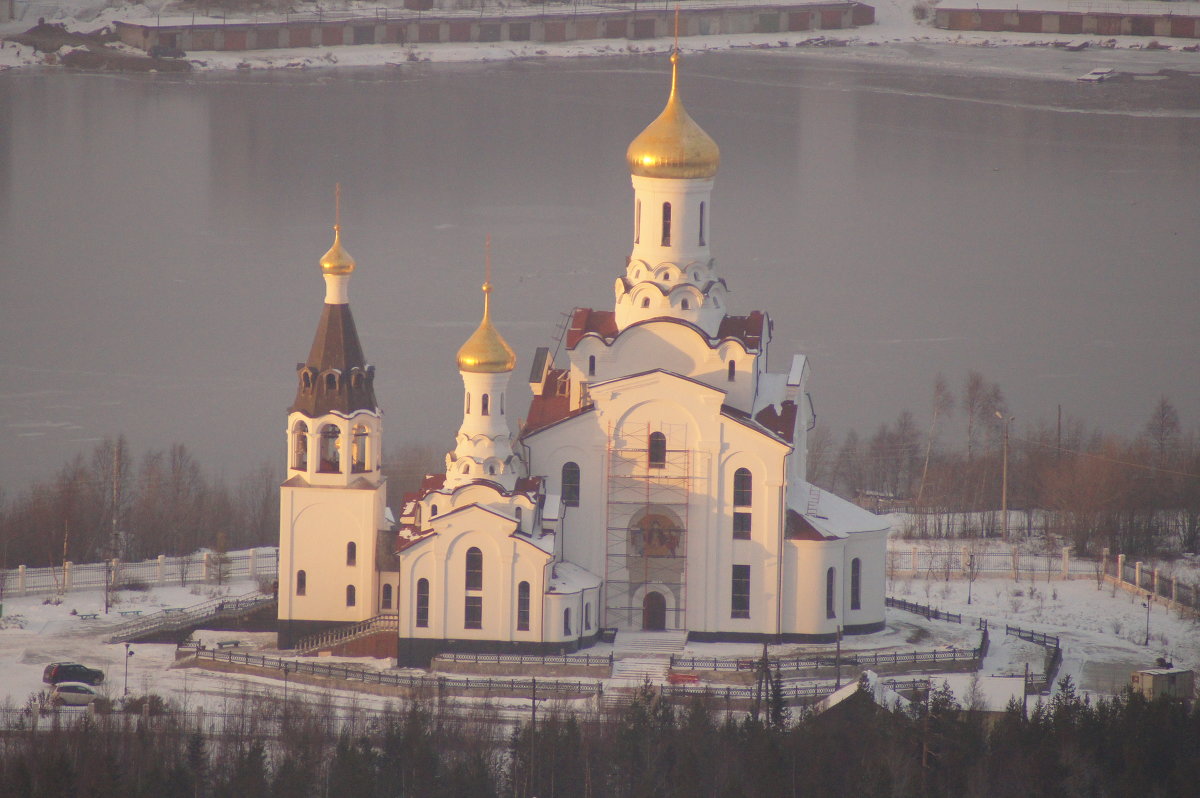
(561, 24)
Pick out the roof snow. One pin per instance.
(567, 577)
(829, 514)
(870, 683)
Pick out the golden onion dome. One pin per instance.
(337, 260)
(486, 351)
(673, 145)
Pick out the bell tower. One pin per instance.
(332, 504)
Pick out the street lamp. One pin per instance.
(1004, 473)
(1149, 596)
(128, 654)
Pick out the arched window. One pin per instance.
(474, 569)
(492, 469)
(830, 584)
(330, 454)
(352, 553)
(422, 603)
(637, 222)
(570, 484)
(306, 380)
(567, 621)
(467, 404)
(645, 301)
(666, 224)
(856, 584)
(701, 224)
(732, 371)
(501, 404)
(350, 597)
(473, 613)
(591, 365)
(587, 617)
(520, 514)
(432, 510)
(386, 600)
(685, 305)
(658, 450)
(331, 382)
(358, 449)
(300, 446)
(301, 583)
(523, 607)
(743, 488)
(743, 496)
(484, 403)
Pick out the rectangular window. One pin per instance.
(740, 600)
(473, 618)
(741, 526)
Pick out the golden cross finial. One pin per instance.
(677, 27)
(337, 206)
(487, 260)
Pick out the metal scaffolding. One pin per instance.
(647, 520)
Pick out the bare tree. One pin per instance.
(942, 405)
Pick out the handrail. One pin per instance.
(165, 620)
(824, 661)
(528, 659)
(388, 622)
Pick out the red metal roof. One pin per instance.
(586, 320)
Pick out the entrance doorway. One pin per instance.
(654, 612)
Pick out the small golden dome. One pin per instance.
(337, 260)
(486, 351)
(673, 145)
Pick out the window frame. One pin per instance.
(739, 592)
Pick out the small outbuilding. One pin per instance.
(1155, 682)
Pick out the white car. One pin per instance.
(1098, 75)
(73, 694)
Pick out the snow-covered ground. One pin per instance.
(1102, 632)
(896, 37)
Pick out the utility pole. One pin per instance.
(1004, 474)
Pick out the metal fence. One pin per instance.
(963, 563)
(929, 613)
(528, 659)
(199, 567)
(438, 684)
(1152, 580)
(860, 658)
(1047, 641)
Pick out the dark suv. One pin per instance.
(71, 672)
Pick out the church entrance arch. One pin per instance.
(654, 612)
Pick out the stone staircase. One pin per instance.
(641, 669)
(640, 643)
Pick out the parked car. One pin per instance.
(57, 672)
(163, 51)
(73, 694)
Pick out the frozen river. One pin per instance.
(159, 236)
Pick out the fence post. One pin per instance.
(116, 571)
(253, 563)
(206, 562)
(915, 569)
(1066, 562)
(1016, 564)
(1104, 560)
(160, 568)
(965, 564)
(1137, 574)
(67, 567)
(21, 579)
(1154, 576)
(1120, 567)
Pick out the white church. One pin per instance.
(658, 482)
